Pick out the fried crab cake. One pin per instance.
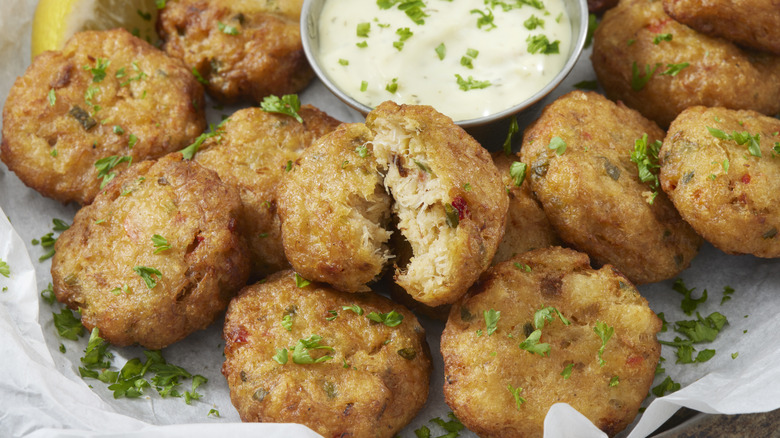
(579, 154)
(79, 116)
(251, 153)
(244, 50)
(552, 331)
(334, 211)
(659, 67)
(448, 199)
(156, 256)
(316, 356)
(751, 23)
(718, 166)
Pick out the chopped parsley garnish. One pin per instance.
(288, 104)
(363, 86)
(392, 87)
(343, 61)
(390, 319)
(735, 355)
(533, 22)
(5, 270)
(48, 294)
(280, 356)
(517, 171)
(587, 85)
(106, 164)
(451, 216)
(141, 75)
(362, 151)
(118, 130)
(213, 412)
(491, 320)
(99, 70)
(558, 145)
(727, 292)
(353, 307)
(363, 29)
(513, 129)
(199, 77)
(441, 51)
(485, 19)
(190, 151)
(741, 138)
(404, 34)
(300, 281)
(702, 329)
(67, 325)
(288, 167)
(412, 8)
(533, 345)
(95, 356)
(614, 381)
(548, 314)
(604, 332)
(287, 322)
(362, 44)
(87, 122)
(145, 15)
(566, 373)
(227, 29)
(688, 304)
(52, 97)
(662, 37)
(668, 385)
(522, 267)
(470, 83)
(148, 274)
(301, 350)
(454, 426)
(675, 69)
(540, 44)
(132, 141)
(646, 158)
(516, 394)
(592, 25)
(638, 80)
(333, 315)
(59, 224)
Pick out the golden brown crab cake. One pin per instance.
(719, 167)
(156, 256)
(751, 23)
(334, 211)
(448, 196)
(504, 368)
(591, 191)
(527, 226)
(244, 50)
(252, 153)
(314, 355)
(659, 67)
(106, 98)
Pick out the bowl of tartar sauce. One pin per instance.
(476, 61)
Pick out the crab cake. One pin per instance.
(751, 23)
(527, 226)
(552, 331)
(334, 211)
(659, 67)
(78, 117)
(449, 199)
(719, 168)
(316, 356)
(251, 153)
(156, 256)
(579, 154)
(244, 50)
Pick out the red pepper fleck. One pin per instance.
(657, 26)
(745, 179)
(232, 224)
(238, 335)
(463, 209)
(634, 360)
(200, 238)
(586, 136)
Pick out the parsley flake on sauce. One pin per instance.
(470, 83)
(5, 270)
(540, 44)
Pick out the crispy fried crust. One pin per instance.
(97, 258)
(375, 383)
(592, 193)
(149, 96)
(730, 196)
(260, 53)
(479, 368)
(719, 74)
(334, 211)
(427, 161)
(751, 23)
(251, 154)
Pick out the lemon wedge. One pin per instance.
(57, 20)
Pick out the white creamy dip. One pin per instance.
(498, 53)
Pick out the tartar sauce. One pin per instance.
(466, 58)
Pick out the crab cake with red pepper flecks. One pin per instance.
(242, 50)
(545, 328)
(720, 168)
(251, 152)
(80, 116)
(156, 256)
(342, 364)
(585, 154)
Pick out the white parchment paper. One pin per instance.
(42, 395)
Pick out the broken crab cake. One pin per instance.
(156, 256)
(544, 328)
(448, 199)
(584, 155)
(334, 211)
(343, 364)
(251, 152)
(242, 50)
(78, 117)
